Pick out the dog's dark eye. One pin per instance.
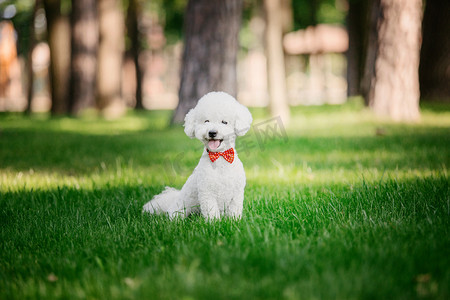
(206, 121)
(224, 122)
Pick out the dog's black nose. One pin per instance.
(212, 133)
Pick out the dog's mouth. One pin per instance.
(213, 144)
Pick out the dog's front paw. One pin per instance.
(235, 215)
(211, 215)
(148, 208)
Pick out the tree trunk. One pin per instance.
(275, 60)
(210, 51)
(110, 58)
(370, 48)
(434, 69)
(30, 71)
(134, 52)
(394, 88)
(58, 31)
(355, 26)
(84, 55)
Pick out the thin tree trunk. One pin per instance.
(434, 69)
(133, 34)
(58, 32)
(210, 51)
(110, 58)
(85, 37)
(355, 27)
(394, 88)
(275, 60)
(30, 72)
(371, 49)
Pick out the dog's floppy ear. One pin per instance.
(243, 121)
(189, 123)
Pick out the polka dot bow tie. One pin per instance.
(228, 155)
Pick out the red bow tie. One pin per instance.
(227, 154)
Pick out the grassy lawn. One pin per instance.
(338, 206)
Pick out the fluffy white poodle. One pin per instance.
(216, 187)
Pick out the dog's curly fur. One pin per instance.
(215, 189)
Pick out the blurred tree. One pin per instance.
(356, 21)
(434, 74)
(58, 35)
(85, 37)
(392, 60)
(370, 48)
(210, 51)
(30, 73)
(21, 14)
(274, 12)
(133, 12)
(110, 56)
(8, 56)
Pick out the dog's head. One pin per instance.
(216, 121)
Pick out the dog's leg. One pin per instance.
(208, 205)
(235, 207)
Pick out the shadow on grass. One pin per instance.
(83, 154)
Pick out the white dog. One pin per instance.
(216, 187)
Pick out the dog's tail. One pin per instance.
(168, 202)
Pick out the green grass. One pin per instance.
(343, 206)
